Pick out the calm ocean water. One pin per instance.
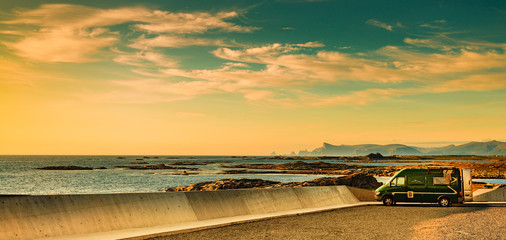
(18, 177)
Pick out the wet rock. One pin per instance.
(139, 163)
(64, 168)
(187, 163)
(154, 167)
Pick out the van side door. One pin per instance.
(398, 188)
(416, 188)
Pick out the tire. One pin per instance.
(388, 201)
(444, 202)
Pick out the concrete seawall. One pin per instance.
(31, 217)
(492, 195)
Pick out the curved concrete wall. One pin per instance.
(496, 195)
(30, 217)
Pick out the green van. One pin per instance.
(444, 185)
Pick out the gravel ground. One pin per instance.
(371, 222)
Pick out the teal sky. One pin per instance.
(248, 77)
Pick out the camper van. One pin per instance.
(442, 185)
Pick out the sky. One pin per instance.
(248, 77)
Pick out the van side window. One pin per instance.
(441, 181)
(398, 181)
(416, 180)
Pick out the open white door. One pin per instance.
(468, 181)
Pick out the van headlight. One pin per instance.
(376, 193)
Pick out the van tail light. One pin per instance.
(460, 193)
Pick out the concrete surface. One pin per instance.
(162, 230)
(407, 221)
(362, 194)
(490, 195)
(32, 217)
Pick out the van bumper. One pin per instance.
(378, 198)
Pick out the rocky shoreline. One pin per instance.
(354, 180)
(494, 169)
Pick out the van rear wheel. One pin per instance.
(444, 202)
(388, 201)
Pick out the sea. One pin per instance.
(19, 177)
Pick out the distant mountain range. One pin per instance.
(471, 148)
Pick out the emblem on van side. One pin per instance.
(411, 194)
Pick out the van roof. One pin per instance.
(424, 170)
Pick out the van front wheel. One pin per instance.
(444, 202)
(388, 201)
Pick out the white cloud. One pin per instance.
(479, 82)
(144, 58)
(376, 23)
(199, 22)
(74, 33)
(286, 68)
(436, 24)
(62, 45)
(171, 41)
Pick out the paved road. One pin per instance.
(371, 222)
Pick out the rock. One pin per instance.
(228, 183)
(154, 167)
(374, 156)
(64, 168)
(139, 163)
(187, 163)
(299, 165)
(354, 180)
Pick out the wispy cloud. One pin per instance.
(145, 58)
(287, 68)
(171, 41)
(478, 82)
(74, 33)
(166, 22)
(376, 23)
(281, 73)
(436, 24)
(63, 45)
